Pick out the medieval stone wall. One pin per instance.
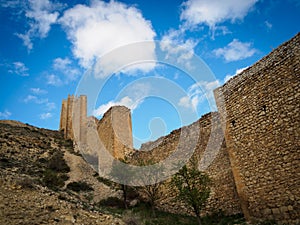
(210, 150)
(73, 118)
(257, 170)
(115, 131)
(260, 112)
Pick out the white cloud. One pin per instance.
(45, 116)
(235, 51)
(41, 14)
(268, 25)
(5, 115)
(54, 80)
(125, 101)
(18, 68)
(35, 99)
(197, 93)
(238, 71)
(50, 106)
(131, 97)
(177, 47)
(10, 3)
(41, 101)
(38, 91)
(30, 98)
(213, 12)
(61, 64)
(66, 67)
(101, 27)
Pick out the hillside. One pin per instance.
(36, 166)
(43, 181)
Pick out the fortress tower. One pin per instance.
(73, 118)
(115, 131)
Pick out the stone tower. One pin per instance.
(115, 131)
(73, 118)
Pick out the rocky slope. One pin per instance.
(43, 181)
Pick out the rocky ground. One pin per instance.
(43, 181)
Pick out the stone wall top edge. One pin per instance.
(108, 112)
(203, 118)
(263, 63)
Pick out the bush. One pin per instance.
(57, 163)
(112, 202)
(54, 180)
(79, 186)
(105, 181)
(26, 183)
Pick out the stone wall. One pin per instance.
(260, 112)
(73, 118)
(211, 153)
(115, 131)
(257, 170)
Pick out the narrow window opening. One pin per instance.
(233, 123)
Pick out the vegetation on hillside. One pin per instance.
(36, 156)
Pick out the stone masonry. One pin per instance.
(260, 113)
(115, 131)
(73, 118)
(215, 161)
(255, 169)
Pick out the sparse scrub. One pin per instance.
(112, 202)
(79, 186)
(26, 183)
(57, 163)
(53, 180)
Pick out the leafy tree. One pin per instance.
(193, 188)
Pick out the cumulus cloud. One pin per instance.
(101, 27)
(38, 91)
(45, 116)
(5, 115)
(125, 101)
(131, 97)
(40, 101)
(66, 67)
(18, 68)
(40, 14)
(54, 80)
(213, 12)
(63, 71)
(238, 71)
(175, 46)
(35, 99)
(197, 93)
(235, 51)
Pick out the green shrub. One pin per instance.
(79, 186)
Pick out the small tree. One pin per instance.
(193, 188)
(120, 174)
(152, 192)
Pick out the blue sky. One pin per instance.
(48, 46)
